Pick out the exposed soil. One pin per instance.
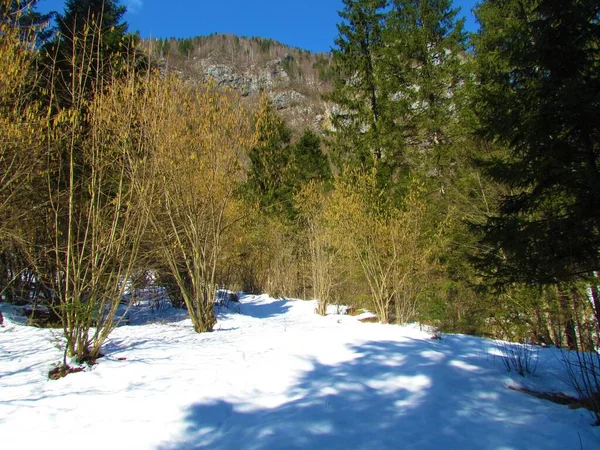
(62, 371)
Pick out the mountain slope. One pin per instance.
(294, 79)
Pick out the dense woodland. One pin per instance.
(459, 185)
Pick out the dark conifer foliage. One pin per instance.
(279, 168)
(90, 38)
(423, 63)
(270, 162)
(310, 163)
(400, 67)
(357, 84)
(107, 13)
(539, 95)
(24, 13)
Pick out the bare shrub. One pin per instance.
(387, 242)
(325, 256)
(197, 137)
(92, 220)
(520, 358)
(583, 375)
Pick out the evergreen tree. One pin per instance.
(185, 47)
(278, 168)
(422, 65)
(357, 92)
(107, 14)
(24, 14)
(270, 161)
(309, 161)
(539, 95)
(91, 41)
(400, 72)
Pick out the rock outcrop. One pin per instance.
(293, 79)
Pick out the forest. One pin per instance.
(458, 186)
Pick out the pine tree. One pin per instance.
(539, 95)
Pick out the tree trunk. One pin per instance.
(595, 302)
(568, 321)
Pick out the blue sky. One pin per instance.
(308, 24)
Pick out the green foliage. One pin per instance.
(309, 163)
(422, 66)
(389, 232)
(398, 85)
(270, 161)
(265, 44)
(323, 66)
(185, 47)
(89, 38)
(163, 47)
(278, 168)
(288, 65)
(24, 15)
(107, 14)
(538, 65)
(357, 121)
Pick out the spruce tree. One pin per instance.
(422, 63)
(90, 41)
(279, 168)
(539, 96)
(107, 14)
(25, 15)
(308, 160)
(270, 161)
(400, 73)
(357, 92)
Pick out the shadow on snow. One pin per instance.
(258, 310)
(413, 394)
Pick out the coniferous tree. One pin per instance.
(422, 65)
(90, 41)
(357, 122)
(270, 161)
(309, 162)
(108, 14)
(539, 95)
(400, 77)
(279, 168)
(24, 15)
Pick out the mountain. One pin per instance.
(294, 79)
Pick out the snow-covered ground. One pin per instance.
(277, 376)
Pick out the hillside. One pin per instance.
(294, 79)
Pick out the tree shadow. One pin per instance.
(392, 395)
(263, 307)
(139, 315)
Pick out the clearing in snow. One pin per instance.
(276, 376)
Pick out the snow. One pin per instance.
(277, 376)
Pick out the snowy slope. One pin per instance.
(276, 376)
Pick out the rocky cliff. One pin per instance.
(294, 79)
